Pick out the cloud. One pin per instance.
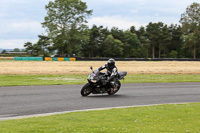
(21, 22)
(15, 43)
(125, 13)
(123, 1)
(20, 29)
(23, 26)
(134, 11)
(115, 21)
(13, 1)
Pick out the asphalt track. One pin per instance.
(33, 100)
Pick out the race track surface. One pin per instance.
(29, 100)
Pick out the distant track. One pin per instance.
(33, 100)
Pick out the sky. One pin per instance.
(20, 20)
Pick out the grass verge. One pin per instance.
(176, 118)
(23, 80)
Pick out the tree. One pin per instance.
(94, 47)
(173, 54)
(117, 33)
(113, 47)
(176, 42)
(131, 45)
(190, 21)
(43, 43)
(133, 30)
(91, 48)
(144, 41)
(16, 50)
(28, 47)
(157, 34)
(164, 41)
(104, 32)
(65, 24)
(3, 52)
(36, 50)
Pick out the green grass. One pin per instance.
(23, 80)
(179, 118)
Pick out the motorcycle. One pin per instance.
(97, 83)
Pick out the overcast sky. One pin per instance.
(20, 20)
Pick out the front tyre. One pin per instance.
(117, 86)
(86, 90)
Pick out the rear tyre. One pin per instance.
(117, 86)
(86, 90)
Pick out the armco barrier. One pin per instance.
(54, 59)
(29, 58)
(17, 58)
(136, 59)
(72, 59)
(59, 59)
(100, 59)
(66, 59)
(45, 59)
(48, 59)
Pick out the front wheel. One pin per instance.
(86, 90)
(116, 88)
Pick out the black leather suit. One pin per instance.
(112, 72)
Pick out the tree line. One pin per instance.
(68, 34)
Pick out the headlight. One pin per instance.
(93, 81)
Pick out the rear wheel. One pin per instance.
(86, 90)
(116, 88)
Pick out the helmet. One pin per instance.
(111, 63)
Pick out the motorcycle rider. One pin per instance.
(112, 72)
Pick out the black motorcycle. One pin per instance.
(97, 83)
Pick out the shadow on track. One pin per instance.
(107, 96)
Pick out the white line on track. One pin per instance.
(64, 112)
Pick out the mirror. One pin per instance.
(91, 67)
